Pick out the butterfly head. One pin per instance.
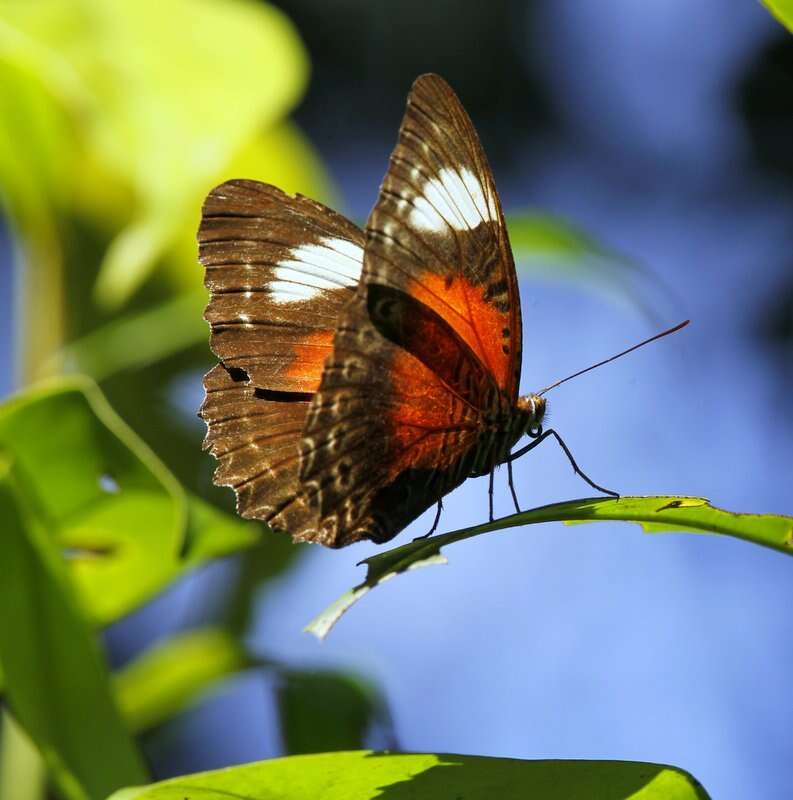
(532, 410)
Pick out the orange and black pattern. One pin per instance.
(346, 403)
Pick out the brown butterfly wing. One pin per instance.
(426, 359)
(256, 444)
(437, 231)
(391, 429)
(280, 269)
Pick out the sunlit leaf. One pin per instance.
(54, 671)
(782, 10)
(162, 98)
(124, 523)
(654, 514)
(137, 339)
(324, 710)
(108, 502)
(152, 126)
(23, 773)
(172, 674)
(427, 776)
(280, 155)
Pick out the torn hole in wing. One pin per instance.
(237, 374)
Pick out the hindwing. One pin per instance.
(386, 435)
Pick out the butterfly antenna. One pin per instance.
(619, 355)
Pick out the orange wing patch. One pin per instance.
(484, 328)
(430, 426)
(309, 359)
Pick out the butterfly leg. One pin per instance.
(434, 524)
(540, 437)
(490, 491)
(512, 487)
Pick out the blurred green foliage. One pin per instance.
(325, 710)
(53, 668)
(171, 674)
(125, 523)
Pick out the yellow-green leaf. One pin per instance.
(362, 775)
(54, 671)
(124, 523)
(170, 675)
(782, 10)
(162, 97)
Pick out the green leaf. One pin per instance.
(172, 674)
(103, 496)
(137, 339)
(213, 534)
(782, 10)
(106, 500)
(326, 710)
(54, 671)
(160, 110)
(363, 775)
(654, 514)
(535, 235)
(23, 774)
(546, 245)
(179, 80)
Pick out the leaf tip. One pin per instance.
(321, 624)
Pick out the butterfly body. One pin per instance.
(365, 375)
(502, 432)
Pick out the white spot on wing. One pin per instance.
(452, 199)
(311, 268)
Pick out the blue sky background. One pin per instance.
(592, 641)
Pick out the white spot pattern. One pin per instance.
(311, 268)
(452, 199)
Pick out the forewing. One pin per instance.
(437, 231)
(279, 270)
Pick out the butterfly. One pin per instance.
(364, 375)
